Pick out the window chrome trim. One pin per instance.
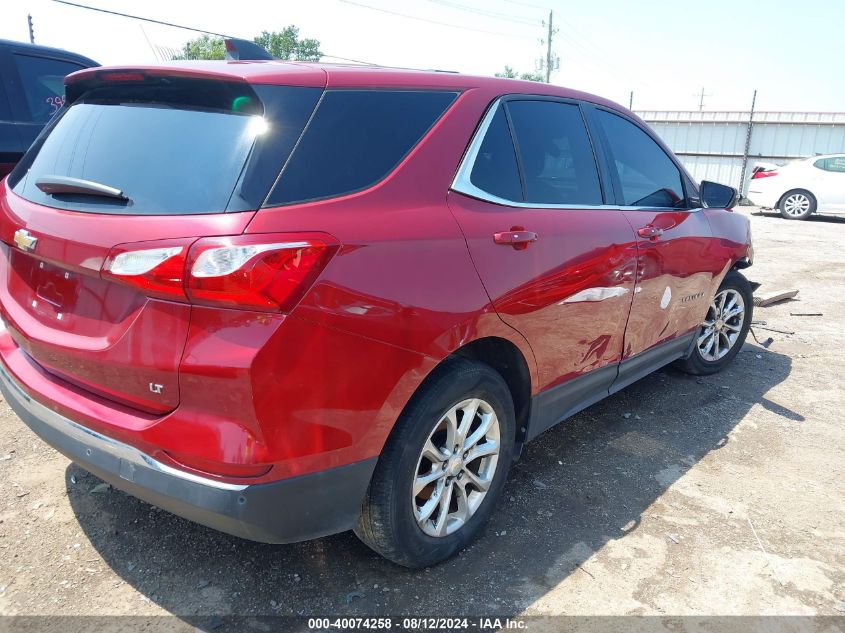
(462, 183)
(660, 209)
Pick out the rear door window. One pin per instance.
(178, 146)
(355, 139)
(557, 158)
(646, 175)
(43, 84)
(495, 170)
(835, 163)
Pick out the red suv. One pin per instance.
(285, 300)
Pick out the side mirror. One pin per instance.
(719, 196)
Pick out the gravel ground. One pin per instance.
(678, 495)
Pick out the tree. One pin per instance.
(284, 44)
(204, 47)
(533, 77)
(510, 73)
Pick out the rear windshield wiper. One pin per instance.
(64, 184)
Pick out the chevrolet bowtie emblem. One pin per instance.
(25, 241)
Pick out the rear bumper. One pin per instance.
(760, 198)
(285, 511)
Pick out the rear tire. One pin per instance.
(797, 204)
(419, 472)
(726, 324)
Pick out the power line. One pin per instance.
(137, 17)
(413, 17)
(187, 28)
(596, 57)
(528, 4)
(508, 17)
(348, 59)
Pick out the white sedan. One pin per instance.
(801, 188)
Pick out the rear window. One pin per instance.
(172, 146)
(356, 138)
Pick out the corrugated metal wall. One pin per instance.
(712, 144)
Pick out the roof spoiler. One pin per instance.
(244, 50)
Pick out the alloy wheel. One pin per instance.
(456, 467)
(722, 325)
(796, 205)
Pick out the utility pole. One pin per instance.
(701, 96)
(551, 61)
(631, 101)
(747, 143)
(549, 48)
(31, 32)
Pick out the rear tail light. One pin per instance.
(155, 268)
(763, 174)
(250, 271)
(257, 272)
(121, 75)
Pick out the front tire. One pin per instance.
(797, 204)
(443, 467)
(726, 324)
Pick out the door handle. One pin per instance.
(650, 232)
(518, 238)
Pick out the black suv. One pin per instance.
(31, 91)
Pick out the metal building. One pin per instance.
(723, 146)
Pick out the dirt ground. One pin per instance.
(678, 495)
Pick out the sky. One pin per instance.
(665, 51)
